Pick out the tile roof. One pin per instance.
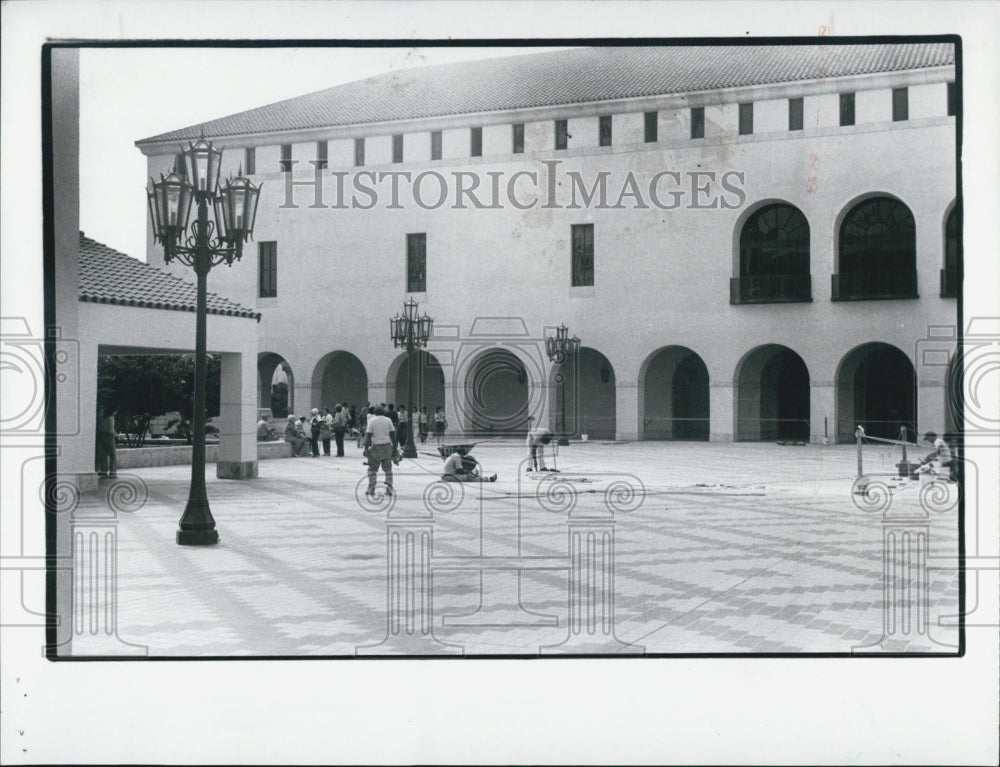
(574, 76)
(110, 277)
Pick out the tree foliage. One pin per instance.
(141, 388)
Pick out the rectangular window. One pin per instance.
(286, 157)
(517, 138)
(322, 155)
(697, 122)
(605, 127)
(952, 100)
(359, 152)
(562, 134)
(794, 114)
(583, 255)
(397, 147)
(847, 109)
(900, 104)
(746, 119)
(416, 263)
(650, 127)
(268, 269)
(476, 142)
(436, 145)
(250, 160)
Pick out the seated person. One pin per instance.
(462, 467)
(264, 431)
(941, 459)
(293, 435)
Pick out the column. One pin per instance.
(75, 401)
(721, 398)
(933, 357)
(627, 409)
(822, 412)
(409, 604)
(377, 392)
(238, 433)
(591, 587)
(95, 583)
(906, 623)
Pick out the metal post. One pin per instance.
(858, 434)
(197, 526)
(410, 449)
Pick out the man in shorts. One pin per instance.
(538, 438)
(380, 446)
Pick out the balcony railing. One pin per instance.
(770, 289)
(949, 283)
(861, 286)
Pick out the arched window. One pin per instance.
(949, 275)
(774, 257)
(878, 252)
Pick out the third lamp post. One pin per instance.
(410, 332)
(560, 348)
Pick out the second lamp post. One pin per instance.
(560, 348)
(412, 333)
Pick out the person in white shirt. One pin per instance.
(462, 467)
(380, 446)
(537, 439)
(339, 425)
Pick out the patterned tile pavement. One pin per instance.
(719, 548)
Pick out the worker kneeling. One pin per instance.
(462, 467)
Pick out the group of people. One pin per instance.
(305, 435)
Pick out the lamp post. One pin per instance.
(208, 243)
(559, 349)
(411, 333)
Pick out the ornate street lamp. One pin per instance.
(208, 244)
(560, 348)
(411, 333)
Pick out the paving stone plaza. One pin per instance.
(677, 548)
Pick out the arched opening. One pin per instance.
(877, 252)
(275, 384)
(774, 257)
(496, 394)
(339, 377)
(427, 382)
(675, 396)
(582, 396)
(876, 389)
(772, 385)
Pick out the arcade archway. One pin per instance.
(275, 384)
(876, 389)
(497, 394)
(675, 395)
(582, 396)
(339, 377)
(772, 385)
(428, 381)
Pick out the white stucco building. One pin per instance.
(751, 242)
